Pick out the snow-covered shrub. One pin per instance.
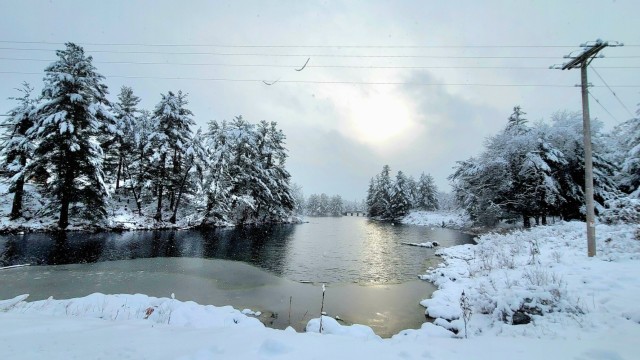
(622, 210)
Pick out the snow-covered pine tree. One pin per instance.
(313, 205)
(371, 200)
(16, 147)
(68, 121)
(565, 134)
(119, 138)
(400, 196)
(194, 162)
(217, 182)
(629, 134)
(245, 170)
(273, 196)
(137, 168)
(172, 133)
(323, 206)
(248, 181)
(412, 185)
(384, 190)
(284, 201)
(336, 205)
(517, 122)
(427, 191)
(540, 170)
(298, 194)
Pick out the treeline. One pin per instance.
(77, 147)
(533, 171)
(324, 205)
(393, 198)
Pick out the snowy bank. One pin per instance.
(122, 215)
(117, 327)
(450, 219)
(541, 279)
(135, 307)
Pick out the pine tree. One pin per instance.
(517, 122)
(629, 133)
(540, 170)
(217, 178)
(566, 136)
(427, 193)
(195, 159)
(248, 180)
(273, 197)
(371, 200)
(245, 170)
(137, 169)
(400, 197)
(336, 205)
(313, 205)
(68, 122)
(298, 194)
(172, 133)
(384, 191)
(119, 136)
(16, 147)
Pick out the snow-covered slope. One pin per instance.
(542, 275)
(450, 219)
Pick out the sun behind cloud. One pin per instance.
(376, 116)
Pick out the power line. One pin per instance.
(308, 55)
(339, 46)
(327, 81)
(605, 109)
(613, 92)
(312, 66)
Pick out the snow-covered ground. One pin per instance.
(580, 308)
(543, 275)
(450, 219)
(123, 326)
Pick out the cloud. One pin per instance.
(449, 128)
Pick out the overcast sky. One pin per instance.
(341, 128)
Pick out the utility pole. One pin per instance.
(582, 61)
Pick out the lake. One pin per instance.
(371, 276)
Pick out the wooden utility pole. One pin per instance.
(582, 61)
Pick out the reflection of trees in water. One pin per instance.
(263, 246)
(11, 252)
(75, 248)
(164, 244)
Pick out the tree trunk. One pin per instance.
(172, 197)
(119, 173)
(158, 216)
(174, 175)
(537, 218)
(16, 208)
(544, 219)
(526, 221)
(67, 189)
(183, 181)
(63, 221)
(133, 189)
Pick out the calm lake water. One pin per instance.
(371, 275)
